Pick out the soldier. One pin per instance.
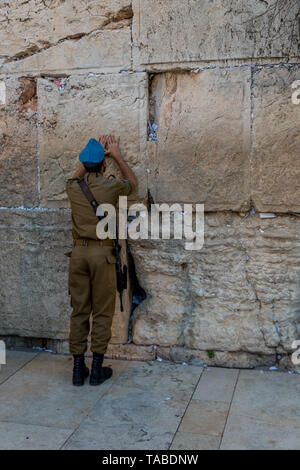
(92, 272)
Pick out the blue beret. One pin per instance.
(92, 154)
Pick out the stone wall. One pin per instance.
(216, 77)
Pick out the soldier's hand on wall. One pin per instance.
(113, 149)
(102, 141)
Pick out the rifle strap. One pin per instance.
(89, 195)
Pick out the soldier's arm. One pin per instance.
(113, 151)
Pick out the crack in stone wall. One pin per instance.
(64, 42)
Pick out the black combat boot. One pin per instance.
(99, 374)
(80, 371)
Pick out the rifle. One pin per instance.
(121, 273)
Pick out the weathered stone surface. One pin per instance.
(34, 299)
(41, 394)
(203, 138)
(239, 293)
(176, 32)
(15, 436)
(276, 166)
(130, 352)
(54, 35)
(216, 385)
(205, 418)
(104, 104)
(101, 51)
(18, 141)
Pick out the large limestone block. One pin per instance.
(18, 144)
(175, 31)
(61, 34)
(89, 106)
(276, 164)
(203, 138)
(239, 293)
(101, 51)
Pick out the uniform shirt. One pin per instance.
(105, 190)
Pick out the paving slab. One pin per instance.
(203, 139)
(42, 393)
(122, 437)
(15, 360)
(18, 133)
(145, 405)
(265, 412)
(15, 436)
(272, 397)
(199, 30)
(205, 417)
(275, 166)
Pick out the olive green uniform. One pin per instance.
(92, 269)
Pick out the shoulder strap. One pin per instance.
(89, 195)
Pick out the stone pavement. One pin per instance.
(146, 405)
